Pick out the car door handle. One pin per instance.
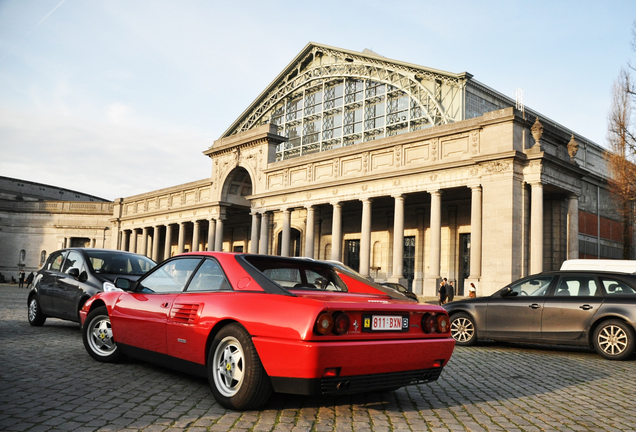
(165, 305)
(534, 306)
(586, 307)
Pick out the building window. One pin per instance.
(22, 256)
(42, 257)
(342, 112)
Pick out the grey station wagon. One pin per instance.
(585, 308)
(69, 277)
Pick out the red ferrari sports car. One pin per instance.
(258, 324)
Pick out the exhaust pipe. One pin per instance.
(343, 385)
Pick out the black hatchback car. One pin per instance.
(585, 308)
(71, 276)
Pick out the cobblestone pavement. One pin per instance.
(49, 383)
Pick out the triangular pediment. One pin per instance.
(329, 97)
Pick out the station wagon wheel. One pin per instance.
(235, 372)
(97, 335)
(463, 329)
(614, 340)
(34, 312)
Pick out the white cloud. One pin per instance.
(106, 160)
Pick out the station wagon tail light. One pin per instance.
(324, 324)
(435, 323)
(341, 324)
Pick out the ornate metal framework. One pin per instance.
(334, 98)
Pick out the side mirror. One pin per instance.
(507, 292)
(74, 272)
(123, 283)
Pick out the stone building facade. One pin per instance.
(37, 219)
(405, 173)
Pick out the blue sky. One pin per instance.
(115, 98)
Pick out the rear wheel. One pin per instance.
(34, 312)
(614, 340)
(463, 329)
(97, 335)
(235, 372)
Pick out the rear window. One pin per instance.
(298, 274)
(114, 262)
(617, 287)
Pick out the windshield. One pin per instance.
(114, 262)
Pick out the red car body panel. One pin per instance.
(180, 325)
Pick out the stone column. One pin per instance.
(536, 229)
(436, 234)
(167, 246)
(256, 224)
(133, 240)
(309, 232)
(398, 240)
(218, 241)
(336, 232)
(155, 243)
(365, 238)
(125, 236)
(475, 233)
(144, 241)
(195, 236)
(181, 241)
(573, 227)
(264, 240)
(211, 233)
(286, 237)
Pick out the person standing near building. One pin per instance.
(21, 279)
(441, 293)
(472, 291)
(450, 291)
(29, 280)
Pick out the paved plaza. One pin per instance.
(49, 383)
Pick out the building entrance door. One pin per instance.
(294, 248)
(464, 262)
(352, 254)
(408, 261)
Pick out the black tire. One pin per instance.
(97, 335)
(463, 329)
(614, 340)
(34, 312)
(235, 372)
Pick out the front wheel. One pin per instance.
(34, 312)
(235, 372)
(614, 340)
(463, 329)
(97, 335)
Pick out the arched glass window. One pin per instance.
(343, 112)
(42, 257)
(22, 256)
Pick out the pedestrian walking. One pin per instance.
(29, 280)
(21, 279)
(441, 292)
(450, 291)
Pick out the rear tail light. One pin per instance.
(429, 324)
(443, 323)
(341, 324)
(435, 323)
(324, 324)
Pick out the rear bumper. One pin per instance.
(354, 384)
(365, 365)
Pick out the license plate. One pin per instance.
(385, 323)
